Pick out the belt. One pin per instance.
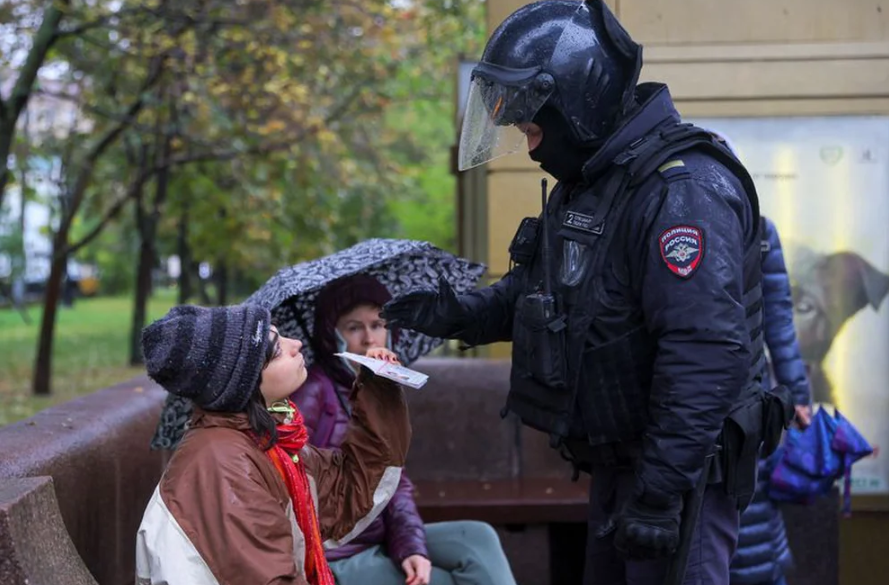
(605, 455)
(619, 455)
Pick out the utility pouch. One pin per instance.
(543, 334)
(524, 242)
(777, 414)
(741, 438)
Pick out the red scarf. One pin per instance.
(285, 456)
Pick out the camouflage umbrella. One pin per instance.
(399, 265)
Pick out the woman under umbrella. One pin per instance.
(396, 547)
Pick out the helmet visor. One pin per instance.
(493, 111)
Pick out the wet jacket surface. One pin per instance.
(221, 513)
(399, 528)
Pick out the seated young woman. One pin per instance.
(245, 498)
(397, 548)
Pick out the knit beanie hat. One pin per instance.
(211, 356)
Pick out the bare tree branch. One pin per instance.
(133, 190)
(110, 214)
(43, 41)
(146, 173)
(155, 70)
(99, 21)
(86, 26)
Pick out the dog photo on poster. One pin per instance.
(824, 182)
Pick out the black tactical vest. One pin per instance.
(555, 367)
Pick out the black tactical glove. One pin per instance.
(437, 314)
(647, 529)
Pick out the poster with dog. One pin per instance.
(824, 182)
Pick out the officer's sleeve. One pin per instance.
(692, 283)
(490, 311)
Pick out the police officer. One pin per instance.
(633, 304)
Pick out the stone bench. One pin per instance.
(466, 461)
(34, 543)
(528, 500)
(469, 464)
(95, 450)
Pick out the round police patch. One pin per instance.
(682, 249)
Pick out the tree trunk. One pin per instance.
(147, 227)
(23, 157)
(18, 283)
(185, 263)
(7, 133)
(42, 381)
(70, 205)
(143, 288)
(220, 274)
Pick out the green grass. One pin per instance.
(90, 351)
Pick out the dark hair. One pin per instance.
(261, 421)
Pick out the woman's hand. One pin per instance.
(803, 415)
(381, 353)
(417, 568)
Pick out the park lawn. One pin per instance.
(90, 351)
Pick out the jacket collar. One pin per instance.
(203, 419)
(656, 109)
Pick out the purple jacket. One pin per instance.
(399, 527)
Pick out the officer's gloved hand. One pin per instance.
(647, 529)
(435, 313)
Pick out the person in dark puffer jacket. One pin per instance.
(763, 553)
(397, 548)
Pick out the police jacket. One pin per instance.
(654, 346)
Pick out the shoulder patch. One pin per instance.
(682, 249)
(673, 169)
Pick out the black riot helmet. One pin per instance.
(572, 56)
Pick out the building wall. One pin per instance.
(721, 58)
(753, 58)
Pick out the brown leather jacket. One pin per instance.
(222, 514)
(399, 528)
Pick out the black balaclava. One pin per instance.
(558, 153)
